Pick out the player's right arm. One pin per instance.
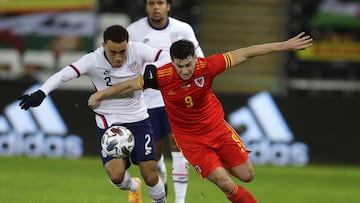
(123, 89)
(36, 98)
(66, 74)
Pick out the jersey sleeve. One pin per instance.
(72, 71)
(219, 63)
(148, 54)
(59, 78)
(150, 80)
(192, 37)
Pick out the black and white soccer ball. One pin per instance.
(117, 141)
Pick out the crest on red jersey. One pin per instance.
(200, 81)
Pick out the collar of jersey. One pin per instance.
(167, 24)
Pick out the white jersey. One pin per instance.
(102, 74)
(142, 31)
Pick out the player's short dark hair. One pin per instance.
(168, 1)
(182, 49)
(116, 33)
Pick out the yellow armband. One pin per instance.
(140, 82)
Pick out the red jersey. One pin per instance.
(191, 105)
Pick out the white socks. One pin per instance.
(157, 192)
(126, 184)
(180, 174)
(161, 169)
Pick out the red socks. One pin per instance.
(240, 195)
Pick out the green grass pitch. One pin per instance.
(44, 180)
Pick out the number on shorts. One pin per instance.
(148, 148)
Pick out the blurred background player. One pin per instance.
(159, 31)
(116, 61)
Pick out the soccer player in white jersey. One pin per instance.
(160, 31)
(116, 61)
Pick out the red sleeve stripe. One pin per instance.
(228, 60)
(157, 55)
(75, 69)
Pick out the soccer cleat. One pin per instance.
(135, 197)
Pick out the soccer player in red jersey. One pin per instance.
(196, 116)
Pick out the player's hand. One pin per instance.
(150, 77)
(299, 42)
(31, 100)
(94, 100)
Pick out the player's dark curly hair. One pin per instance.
(116, 33)
(182, 49)
(168, 1)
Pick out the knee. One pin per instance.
(244, 172)
(151, 179)
(115, 169)
(116, 178)
(247, 177)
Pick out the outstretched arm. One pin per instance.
(299, 42)
(119, 90)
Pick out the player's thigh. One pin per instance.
(158, 149)
(172, 144)
(115, 168)
(204, 159)
(231, 150)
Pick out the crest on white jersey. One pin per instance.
(200, 81)
(133, 67)
(146, 40)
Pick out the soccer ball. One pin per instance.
(117, 141)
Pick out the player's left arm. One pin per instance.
(123, 89)
(299, 42)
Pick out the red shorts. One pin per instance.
(221, 147)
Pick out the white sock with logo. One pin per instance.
(180, 174)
